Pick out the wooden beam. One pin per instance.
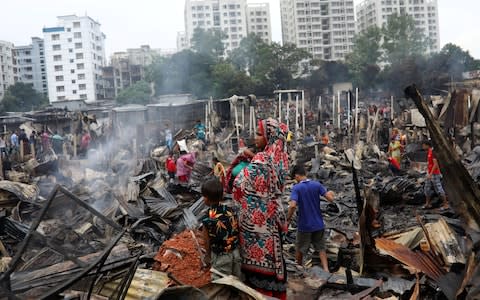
(460, 187)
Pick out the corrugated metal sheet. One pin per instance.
(145, 285)
(421, 261)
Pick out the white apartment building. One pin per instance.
(258, 21)
(225, 15)
(229, 16)
(30, 65)
(75, 56)
(325, 28)
(424, 12)
(7, 74)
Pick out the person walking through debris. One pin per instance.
(57, 143)
(3, 146)
(185, 165)
(218, 170)
(394, 149)
(25, 142)
(85, 143)
(45, 141)
(310, 226)
(220, 231)
(257, 189)
(434, 178)
(171, 166)
(168, 138)
(14, 143)
(199, 129)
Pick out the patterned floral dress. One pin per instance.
(257, 189)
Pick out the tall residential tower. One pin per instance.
(30, 65)
(424, 12)
(75, 56)
(325, 28)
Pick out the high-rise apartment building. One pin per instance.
(30, 65)
(229, 16)
(7, 74)
(258, 21)
(424, 12)
(75, 56)
(325, 28)
(225, 15)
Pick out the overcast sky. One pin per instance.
(131, 23)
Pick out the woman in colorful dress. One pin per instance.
(258, 188)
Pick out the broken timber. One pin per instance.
(457, 180)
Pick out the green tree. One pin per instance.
(22, 97)
(137, 93)
(402, 39)
(209, 42)
(228, 81)
(364, 59)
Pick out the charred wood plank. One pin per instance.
(461, 189)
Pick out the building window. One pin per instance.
(58, 68)
(61, 98)
(57, 58)
(59, 78)
(56, 47)
(69, 40)
(82, 86)
(74, 91)
(76, 24)
(80, 66)
(72, 71)
(81, 76)
(79, 56)
(55, 37)
(83, 96)
(77, 35)
(70, 50)
(78, 45)
(60, 89)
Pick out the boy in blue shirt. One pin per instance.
(310, 227)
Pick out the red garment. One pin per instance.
(85, 141)
(183, 178)
(430, 158)
(394, 162)
(171, 165)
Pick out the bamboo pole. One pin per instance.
(279, 107)
(236, 122)
(32, 150)
(391, 108)
(339, 124)
(75, 146)
(357, 126)
(296, 114)
(21, 151)
(334, 123)
(243, 114)
(288, 110)
(320, 110)
(303, 112)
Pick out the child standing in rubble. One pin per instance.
(171, 166)
(220, 230)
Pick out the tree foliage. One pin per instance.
(137, 93)
(402, 39)
(22, 97)
(363, 61)
(208, 42)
